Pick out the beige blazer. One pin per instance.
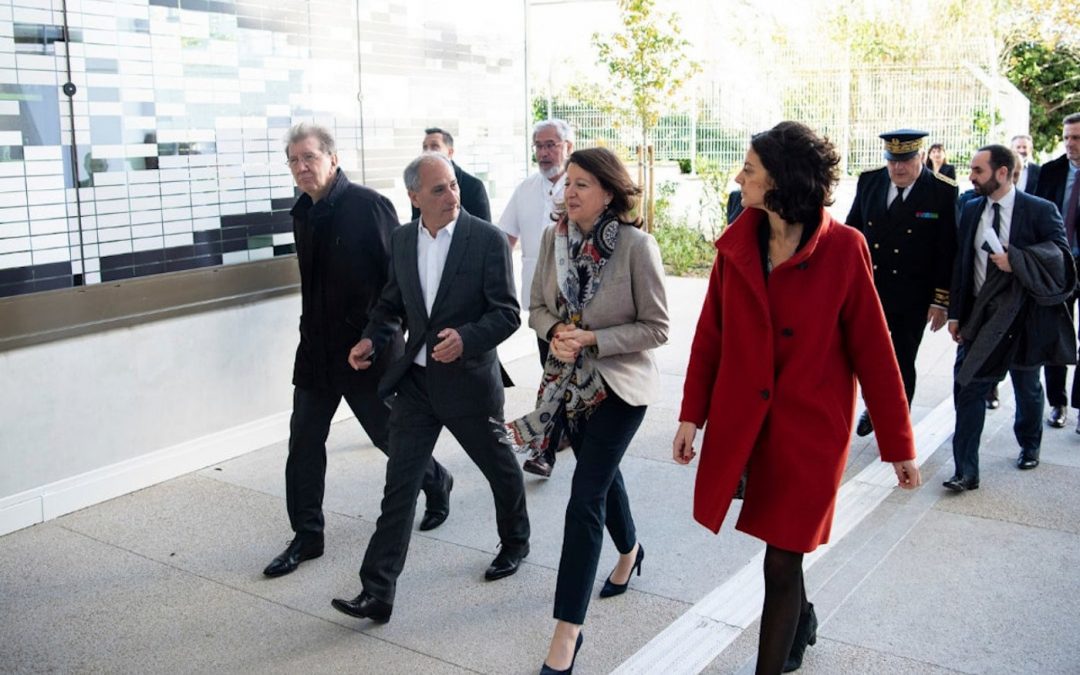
(628, 314)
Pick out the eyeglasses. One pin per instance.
(307, 159)
(549, 145)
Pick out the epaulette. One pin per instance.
(944, 179)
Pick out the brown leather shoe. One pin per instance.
(537, 465)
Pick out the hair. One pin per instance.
(804, 168)
(1071, 119)
(561, 127)
(412, 171)
(930, 162)
(1018, 136)
(609, 171)
(446, 137)
(1000, 156)
(299, 132)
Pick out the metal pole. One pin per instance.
(652, 184)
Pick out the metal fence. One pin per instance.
(960, 105)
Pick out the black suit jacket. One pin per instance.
(476, 297)
(1034, 220)
(1051, 182)
(1031, 185)
(474, 197)
(342, 247)
(912, 256)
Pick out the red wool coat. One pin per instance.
(772, 378)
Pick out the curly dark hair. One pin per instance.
(609, 170)
(804, 168)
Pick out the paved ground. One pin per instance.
(168, 579)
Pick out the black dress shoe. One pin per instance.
(506, 563)
(437, 508)
(805, 635)
(961, 483)
(301, 548)
(1059, 414)
(992, 400)
(865, 426)
(611, 589)
(548, 670)
(364, 606)
(1028, 459)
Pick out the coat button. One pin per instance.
(765, 394)
(896, 250)
(875, 266)
(787, 332)
(869, 223)
(877, 245)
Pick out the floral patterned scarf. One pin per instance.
(569, 391)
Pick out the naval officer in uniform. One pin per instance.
(908, 215)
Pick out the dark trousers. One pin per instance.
(597, 499)
(1055, 379)
(906, 331)
(305, 469)
(414, 429)
(970, 402)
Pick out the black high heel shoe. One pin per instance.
(611, 589)
(548, 670)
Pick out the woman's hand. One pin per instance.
(564, 350)
(682, 448)
(907, 474)
(584, 338)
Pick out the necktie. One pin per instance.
(997, 219)
(1070, 211)
(898, 201)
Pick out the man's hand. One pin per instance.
(1002, 261)
(936, 317)
(954, 331)
(450, 348)
(360, 355)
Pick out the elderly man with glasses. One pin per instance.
(342, 234)
(527, 215)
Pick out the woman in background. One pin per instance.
(938, 163)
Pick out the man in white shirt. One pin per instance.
(451, 283)
(528, 214)
(996, 230)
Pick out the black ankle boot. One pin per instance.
(805, 634)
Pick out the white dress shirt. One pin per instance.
(526, 216)
(986, 230)
(893, 191)
(431, 255)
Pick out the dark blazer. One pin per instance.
(1034, 220)
(474, 197)
(1032, 183)
(912, 257)
(476, 297)
(1051, 182)
(734, 205)
(343, 249)
(946, 170)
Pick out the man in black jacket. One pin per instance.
(342, 234)
(994, 228)
(1058, 184)
(908, 215)
(474, 197)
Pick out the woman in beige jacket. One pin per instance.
(598, 297)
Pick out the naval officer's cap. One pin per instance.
(902, 144)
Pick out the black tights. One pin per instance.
(785, 600)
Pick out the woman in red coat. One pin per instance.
(790, 320)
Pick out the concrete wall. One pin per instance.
(90, 418)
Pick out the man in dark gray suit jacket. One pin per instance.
(1029, 170)
(1000, 220)
(451, 282)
